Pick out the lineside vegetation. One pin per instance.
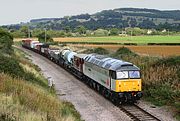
(24, 92)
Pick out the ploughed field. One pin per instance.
(141, 41)
(155, 50)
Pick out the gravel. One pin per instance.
(163, 113)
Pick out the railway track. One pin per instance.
(133, 111)
(137, 114)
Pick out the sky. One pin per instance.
(16, 11)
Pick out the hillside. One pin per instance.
(117, 18)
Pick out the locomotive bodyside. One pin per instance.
(100, 75)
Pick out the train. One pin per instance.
(115, 79)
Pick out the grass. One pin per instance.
(23, 98)
(128, 39)
(117, 39)
(20, 39)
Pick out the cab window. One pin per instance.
(113, 74)
(122, 75)
(134, 74)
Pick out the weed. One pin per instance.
(34, 101)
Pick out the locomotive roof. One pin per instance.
(81, 55)
(110, 63)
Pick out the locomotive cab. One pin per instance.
(128, 82)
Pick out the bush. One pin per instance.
(98, 50)
(7, 117)
(135, 31)
(171, 61)
(101, 51)
(161, 94)
(100, 32)
(41, 37)
(6, 41)
(10, 66)
(124, 52)
(114, 31)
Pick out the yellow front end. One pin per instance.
(128, 85)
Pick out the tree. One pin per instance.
(114, 31)
(6, 41)
(36, 32)
(135, 31)
(62, 34)
(44, 37)
(17, 34)
(133, 22)
(147, 24)
(89, 33)
(25, 31)
(81, 29)
(67, 29)
(101, 32)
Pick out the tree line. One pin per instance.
(81, 31)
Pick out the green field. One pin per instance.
(139, 39)
(127, 39)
